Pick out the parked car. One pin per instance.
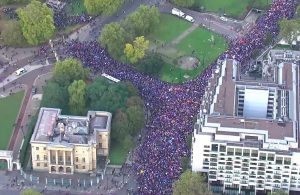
(34, 90)
(189, 18)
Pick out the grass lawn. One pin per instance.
(117, 154)
(169, 28)
(9, 109)
(234, 8)
(75, 7)
(199, 42)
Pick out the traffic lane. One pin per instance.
(19, 64)
(29, 77)
(93, 30)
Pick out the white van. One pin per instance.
(190, 18)
(20, 71)
(177, 12)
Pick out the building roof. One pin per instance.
(99, 122)
(255, 102)
(54, 128)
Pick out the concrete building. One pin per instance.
(246, 134)
(64, 144)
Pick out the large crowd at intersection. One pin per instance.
(174, 106)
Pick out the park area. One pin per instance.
(9, 109)
(180, 43)
(232, 8)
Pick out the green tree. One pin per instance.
(136, 119)
(103, 7)
(105, 96)
(37, 22)
(128, 142)
(143, 21)
(289, 29)
(12, 34)
(77, 101)
(55, 96)
(191, 183)
(68, 70)
(120, 126)
(134, 101)
(136, 51)
(30, 192)
(131, 89)
(279, 192)
(151, 64)
(184, 3)
(113, 38)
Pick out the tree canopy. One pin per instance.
(37, 22)
(113, 38)
(151, 64)
(143, 20)
(184, 3)
(105, 96)
(136, 51)
(77, 101)
(12, 34)
(191, 183)
(55, 96)
(66, 71)
(102, 7)
(289, 29)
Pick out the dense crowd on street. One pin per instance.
(173, 106)
(62, 19)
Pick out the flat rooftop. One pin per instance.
(267, 106)
(52, 127)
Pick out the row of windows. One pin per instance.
(77, 159)
(37, 148)
(38, 157)
(77, 167)
(39, 164)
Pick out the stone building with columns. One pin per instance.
(63, 144)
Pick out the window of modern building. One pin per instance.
(214, 147)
